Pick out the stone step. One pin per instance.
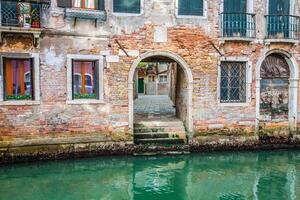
(151, 135)
(143, 124)
(160, 141)
(159, 129)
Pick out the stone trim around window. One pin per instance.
(70, 58)
(126, 14)
(36, 80)
(204, 16)
(248, 80)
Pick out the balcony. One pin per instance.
(237, 26)
(282, 28)
(22, 16)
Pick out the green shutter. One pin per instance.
(101, 5)
(64, 3)
(127, 6)
(190, 7)
(235, 6)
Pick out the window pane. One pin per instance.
(233, 82)
(77, 3)
(127, 6)
(18, 79)
(84, 80)
(90, 4)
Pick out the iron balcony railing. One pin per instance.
(22, 13)
(283, 27)
(238, 25)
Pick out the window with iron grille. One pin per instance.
(233, 82)
(21, 14)
(190, 7)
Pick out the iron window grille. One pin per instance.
(23, 13)
(283, 27)
(233, 82)
(241, 25)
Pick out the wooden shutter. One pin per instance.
(101, 5)
(183, 7)
(235, 6)
(196, 7)
(96, 78)
(64, 3)
(127, 6)
(190, 7)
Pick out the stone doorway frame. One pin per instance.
(181, 63)
(293, 87)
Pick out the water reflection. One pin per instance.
(223, 176)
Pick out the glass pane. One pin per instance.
(18, 79)
(90, 4)
(77, 3)
(84, 80)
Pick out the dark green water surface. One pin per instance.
(222, 176)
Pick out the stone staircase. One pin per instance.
(159, 132)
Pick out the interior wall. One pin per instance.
(181, 96)
(173, 81)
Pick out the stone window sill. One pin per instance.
(233, 104)
(85, 101)
(86, 13)
(238, 39)
(291, 41)
(19, 103)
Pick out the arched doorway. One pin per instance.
(276, 89)
(165, 56)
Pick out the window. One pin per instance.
(233, 82)
(18, 79)
(127, 6)
(20, 14)
(163, 79)
(85, 4)
(151, 78)
(85, 80)
(190, 7)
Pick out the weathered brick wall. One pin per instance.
(192, 39)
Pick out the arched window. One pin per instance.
(274, 91)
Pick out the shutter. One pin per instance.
(72, 84)
(64, 3)
(136, 7)
(183, 6)
(101, 5)
(32, 75)
(117, 6)
(97, 82)
(196, 7)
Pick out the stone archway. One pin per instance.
(182, 64)
(290, 72)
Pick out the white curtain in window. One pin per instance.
(77, 3)
(90, 4)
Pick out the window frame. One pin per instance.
(78, 57)
(248, 65)
(34, 57)
(204, 16)
(128, 14)
(164, 82)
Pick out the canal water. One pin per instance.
(222, 176)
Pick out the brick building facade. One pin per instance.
(220, 49)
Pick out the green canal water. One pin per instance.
(222, 176)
